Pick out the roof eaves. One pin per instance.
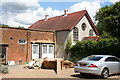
(92, 24)
(63, 30)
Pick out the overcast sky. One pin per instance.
(26, 12)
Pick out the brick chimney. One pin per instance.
(46, 17)
(65, 12)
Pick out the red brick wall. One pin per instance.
(40, 37)
(18, 52)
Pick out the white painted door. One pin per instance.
(35, 51)
(48, 50)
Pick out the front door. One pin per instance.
(47, 50)
(35, 51)
(3, 52)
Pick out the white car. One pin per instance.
(102, 65)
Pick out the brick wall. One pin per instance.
(18, 52)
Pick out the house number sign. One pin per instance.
(22, 41)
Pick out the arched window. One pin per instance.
(91, 32)
(83, 26)
(75, 34)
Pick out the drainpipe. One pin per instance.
(54, 39)
(27, 46)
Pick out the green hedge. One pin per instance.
(91, 47)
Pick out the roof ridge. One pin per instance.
(62, 15)
(57, 17)
(62, 22)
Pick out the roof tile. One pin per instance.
(62, 22)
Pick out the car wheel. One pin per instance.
(105, 73)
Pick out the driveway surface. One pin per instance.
(19, 72)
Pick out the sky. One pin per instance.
(26, 12)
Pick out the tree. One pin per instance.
(68, 47)
(4, 25)
(20, 27)
(108, 19)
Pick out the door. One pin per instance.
(3, 53)
(112, 64)
(48, 50)
(35, 51)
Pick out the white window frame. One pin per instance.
(52, 48)
(43, 49)
(75, 34)
(91, 32)
(47, 48)
(83, 26)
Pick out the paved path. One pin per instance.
(20, 72)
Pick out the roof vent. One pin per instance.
(65, 12)
(46, 17)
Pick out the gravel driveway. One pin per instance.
(19, 72)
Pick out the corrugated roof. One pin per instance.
(62, 22)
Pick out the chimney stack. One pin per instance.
(46, 17)
(65, 12)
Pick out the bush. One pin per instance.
(3, 69)
(91, 47)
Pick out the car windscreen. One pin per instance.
(92, 58)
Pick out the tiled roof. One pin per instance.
(62, 22)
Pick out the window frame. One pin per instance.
(83, 26)
(35, 48)
(51, 45)
(91, 32)
(48, 49)
(75, 34)
(43, 51)
(117, 60)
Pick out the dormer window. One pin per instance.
(75, 34)
(83, 26)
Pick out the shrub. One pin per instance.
(91, 47)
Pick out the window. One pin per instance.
(93, 58)
(75, 34)
(35, 49)
(112, 59)
(83, 26)
(11, 38)
(51, 49)
(91, 32)
(48, 48)
(44, 48)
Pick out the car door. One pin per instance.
(112, 64)
(119, 66)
